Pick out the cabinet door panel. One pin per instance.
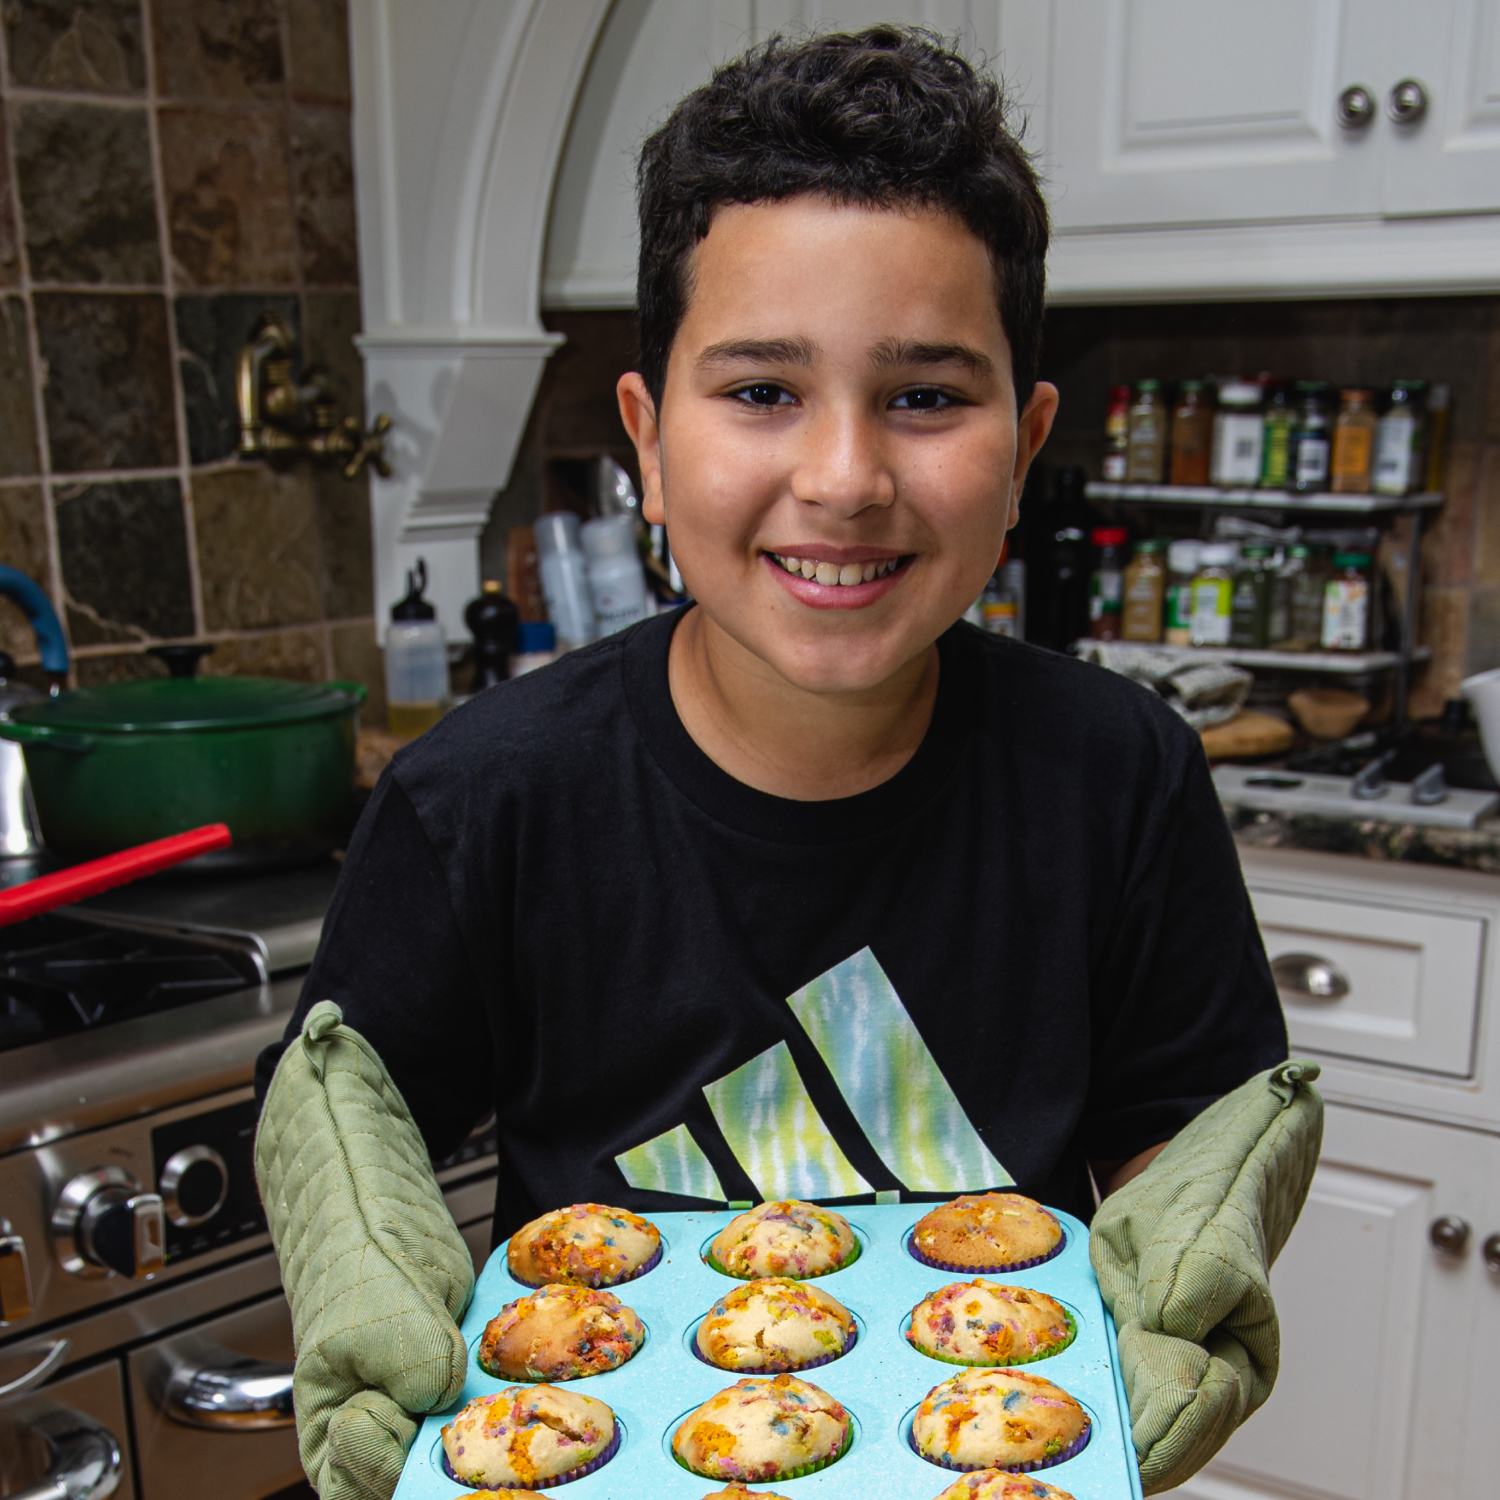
(1181, 111)
(1378, 1329)
(1448, 162)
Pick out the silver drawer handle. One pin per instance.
(56, 1352)
(241, 1395)
(85, 1464)
(1307, 974)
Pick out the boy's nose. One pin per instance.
(842, 466)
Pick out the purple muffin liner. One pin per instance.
(1071, 1451)
(609, 1451)
(1014, 1265)
(649, 1264)
(812, 1364)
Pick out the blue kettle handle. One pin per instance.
(37, 607)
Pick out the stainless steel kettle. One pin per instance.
(20, 837)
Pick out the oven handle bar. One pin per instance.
(86, 1463)
(56, 1353)
(241, 1395)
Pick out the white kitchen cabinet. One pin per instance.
(1390, 1348)
(1386, 1342)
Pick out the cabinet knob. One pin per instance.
(1449, 1235)
(1407, 103)
(1356, 107)
(1491, 1252)
(1307, 974)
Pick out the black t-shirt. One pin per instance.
(1030, 948)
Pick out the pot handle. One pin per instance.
(42, 734)
(358, 689)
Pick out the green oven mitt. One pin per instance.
(1183, 1253)
(373, 1265)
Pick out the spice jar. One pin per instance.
(1183, 560)
(1145, 591)
(1310, 440)
(1276, 436)
(1148, 435)
(1250, 600)
(1305, 603)
(1353, 443)
(1192, 434)
(1238, 435)
(1212, 592)
(1400, 460)
(1117, 433)
(1347, 603)
(1107, 585)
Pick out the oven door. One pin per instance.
(214, 1404)
(70, 1441)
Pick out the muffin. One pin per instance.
(774, 1324)
(734, 1490)
(759, 1431)
(585, 1245)
(983, 1323)
(998, 1419)
(784, 1239)
(986, 1232)
(996, 1484)
(527, 1435)
(560, 1333)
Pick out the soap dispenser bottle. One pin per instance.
(416, 661)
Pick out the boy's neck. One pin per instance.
(779, 738)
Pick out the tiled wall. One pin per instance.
(169, 169)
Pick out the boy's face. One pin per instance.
(838, 404)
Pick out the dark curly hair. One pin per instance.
(889, 116)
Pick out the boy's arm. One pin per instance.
(1111, 1176)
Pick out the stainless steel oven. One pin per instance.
(145, 1345)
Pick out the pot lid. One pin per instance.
(186, 703)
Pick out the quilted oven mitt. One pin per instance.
(1182, 1254)
(372, 1262)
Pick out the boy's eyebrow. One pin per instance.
(792, 351)
(890, 353)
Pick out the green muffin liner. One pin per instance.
(712, 1262)
(1003, 1364)
(800, 1472)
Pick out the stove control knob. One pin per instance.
(194, 1184)
(15, 1281)
(103, 1223)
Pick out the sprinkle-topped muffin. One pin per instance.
(984, 1323)
(986, 1232)
(760, 1431)
(998, 1419)
(996, 1484)
(585, 1245)
(526, 1435)
(560, 1333)
(788, 1238)
(734, 1490)
(774, 1324)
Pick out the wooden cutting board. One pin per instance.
(1249, 734)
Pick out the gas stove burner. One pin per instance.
(60, 975)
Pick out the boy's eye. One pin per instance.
(763, 393)
(923, 398)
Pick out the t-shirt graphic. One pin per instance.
(890, 1081)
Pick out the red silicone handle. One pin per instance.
(96, 875)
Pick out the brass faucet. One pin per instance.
(283, 417)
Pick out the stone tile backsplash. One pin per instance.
(168, 172)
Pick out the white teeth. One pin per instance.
(791, 564)
(834, 574)
(851, 573)
(827, 573)
(809, 568)
(867, 572)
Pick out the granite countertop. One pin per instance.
(1475, 848)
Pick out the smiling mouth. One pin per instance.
(831, 573)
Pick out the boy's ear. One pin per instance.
(1032, 427)
(638, 413)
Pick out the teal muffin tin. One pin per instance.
(880, 1380)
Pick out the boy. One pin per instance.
(805, 891)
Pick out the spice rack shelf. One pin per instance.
(1350, 663)
(1323, 501)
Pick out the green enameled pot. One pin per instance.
(119, 765)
